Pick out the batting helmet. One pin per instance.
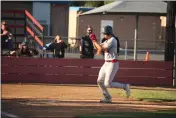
(107, 30)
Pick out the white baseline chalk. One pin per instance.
(8, 115)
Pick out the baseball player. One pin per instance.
(110, 67)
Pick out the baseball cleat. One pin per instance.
(105, 100)
(127, 89)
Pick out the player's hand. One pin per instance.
(61, 41)
(93, 37)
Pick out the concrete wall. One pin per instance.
(59, 20)
(120, 27)
(124, 27)
(18, 5)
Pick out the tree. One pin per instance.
(107, 2)
(77, 3)
(94, 3)
(89, 3)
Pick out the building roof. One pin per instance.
(131, 7)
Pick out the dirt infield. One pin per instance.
(56, 101)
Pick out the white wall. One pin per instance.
(72, 24)
(41, 11)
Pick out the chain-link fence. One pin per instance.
(155, 49)
(143, 44)
(72, 50)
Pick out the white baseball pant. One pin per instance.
(106, 76)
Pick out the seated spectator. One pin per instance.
(32, 47)
(58, 47)
(27, 48)
(24, 50)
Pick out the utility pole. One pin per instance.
(170, 43)
(170, 31)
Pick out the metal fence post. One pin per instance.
(14, 36)
(135, 38)
(126, 49)
(43, 42)
(25, 25)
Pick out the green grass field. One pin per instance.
(142, 95)
(149, 95)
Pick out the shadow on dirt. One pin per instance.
(47, 108)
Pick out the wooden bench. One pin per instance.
(83, 71)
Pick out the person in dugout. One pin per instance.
(87, 44)
(6, 37)
(58, 47)
(27, 48)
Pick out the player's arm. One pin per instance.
(97, 45)
(108, 45)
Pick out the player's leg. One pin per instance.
(100, 82)
(110, 74)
